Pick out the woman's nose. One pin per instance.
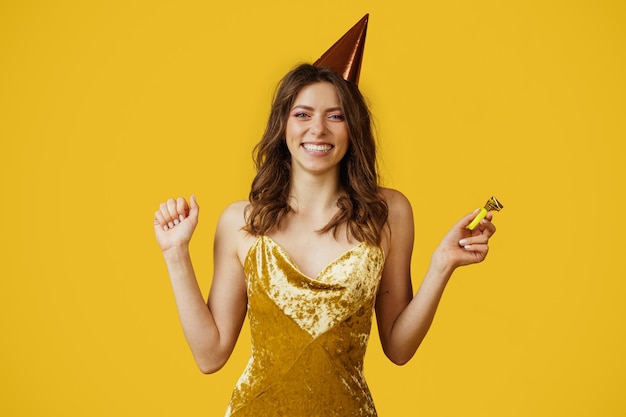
(317, 127)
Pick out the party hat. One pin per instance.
(345, 56)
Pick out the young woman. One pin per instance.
(316, 248)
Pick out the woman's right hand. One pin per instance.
(175, 222)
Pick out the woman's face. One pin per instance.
(316, 131)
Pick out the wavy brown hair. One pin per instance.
(362, 209)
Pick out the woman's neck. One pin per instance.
(314, 193)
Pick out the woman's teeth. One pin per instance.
(317, 148)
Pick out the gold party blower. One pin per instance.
(492, 205)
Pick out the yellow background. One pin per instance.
(108, 108)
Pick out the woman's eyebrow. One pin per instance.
(304, 107)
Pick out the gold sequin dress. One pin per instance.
(309, 335)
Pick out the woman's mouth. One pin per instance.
(319, 147)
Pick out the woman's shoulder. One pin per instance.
(399, 219)
(231, 229)
(395, 199)
(236, 207)
(234, 215)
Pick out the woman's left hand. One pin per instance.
(462, 246)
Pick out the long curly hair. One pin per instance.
(362, 209)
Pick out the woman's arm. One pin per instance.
(403, 318)
(212, 328)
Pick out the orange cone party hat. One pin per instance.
(345, 56)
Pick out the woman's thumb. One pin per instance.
(193, 204)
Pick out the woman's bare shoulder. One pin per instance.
(231, 229)
(400, 221)
(396, 201)
(234, 215)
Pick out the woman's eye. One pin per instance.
(337, 117)
(300, 115)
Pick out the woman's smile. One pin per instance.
(317, 148)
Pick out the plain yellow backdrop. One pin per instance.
(108, 108)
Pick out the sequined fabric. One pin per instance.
(309, 335)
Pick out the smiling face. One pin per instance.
(316, 132)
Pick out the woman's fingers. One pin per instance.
(474, 240)
(165, 214)
(175, 222)
(159, 221)
(182, 209)
(176, 211)
(171, 213)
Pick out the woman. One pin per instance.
(315, 249)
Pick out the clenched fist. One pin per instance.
(175, 222)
